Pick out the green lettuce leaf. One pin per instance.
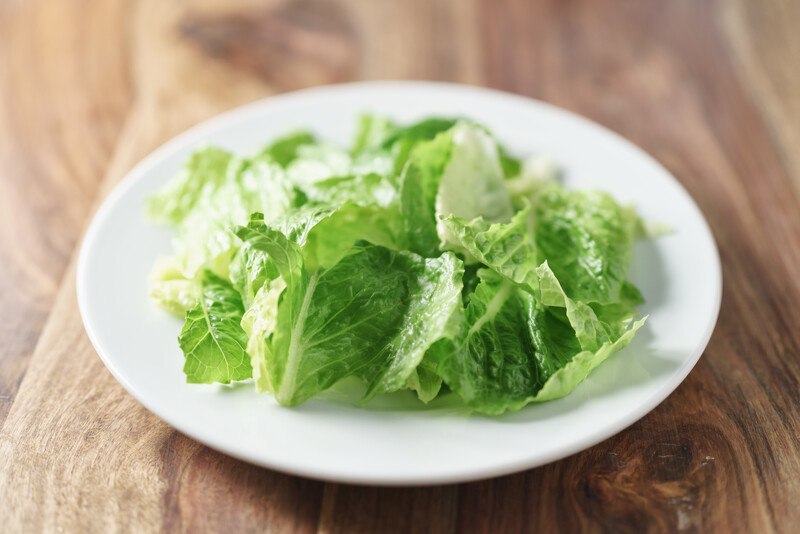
(325, 234)
(362, 189)
(322, 161)
(472, 184)
(283, 151)
(372, 315)
(457, 173)
(212, 339)
(518, 347)
(491, 364)
(599, 336)
(425, 381)
(403, 141)
(587, 239)
(373, 131)
(258, 323)
(227, 191)
(418, 189)
(511, 166)
(204, 172)
(250, 269)
(508, 248)
(170, 289)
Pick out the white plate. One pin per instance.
(679, 275)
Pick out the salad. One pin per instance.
(424, 257)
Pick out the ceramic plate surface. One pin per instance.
(390, 442)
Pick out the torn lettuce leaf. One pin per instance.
(599, 332)
(490, 364)
(250, 269)
(508, 248)
(587, 239)
(325, 234)
(372, 315)
(419, 185)
(204, 238)
(212, 340)
(472, 184)
(283, 151)
(404, 140)
(516, 347)
(204, 171)
(373, 132)
(457, 173)
(362, 189)
(319, 162)
(170, 289)
(258, 323)
(585, 236)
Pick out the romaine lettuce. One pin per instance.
(424, 258)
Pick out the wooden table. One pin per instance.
(710, 88)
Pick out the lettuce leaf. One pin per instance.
(599, 336)
(457, 173)
(169, 288)
(419, 185)
(283, 151)
(508, 248)
(258, 323)
(372, 315)
(516, 347)
(204, 172)
(212, 339)
(373, 132)
(214, 192)
(587, 238)
(472, 184)
(491, 364)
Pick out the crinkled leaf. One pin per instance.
(491, 364)
(402, 141)
(315, 163)
(457, 173)
(325, 234)
(419, 185)
(361, 189)
(250, 269)
(472, 184)
(212, 339)
(372, 315)
(587, 239)
(599, 336)
(518, 347)
(230, 193)
(508, 248)
(170, 289)
(204, 172)
(259, 323)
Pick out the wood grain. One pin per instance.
(64, 95)
(708, 88)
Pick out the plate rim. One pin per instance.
(231, 116)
